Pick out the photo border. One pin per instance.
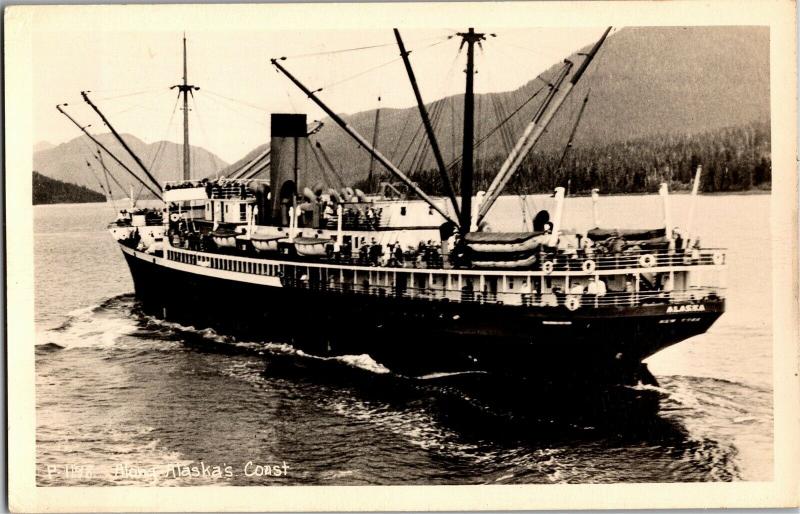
(22, 21)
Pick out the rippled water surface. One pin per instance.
(123, 398)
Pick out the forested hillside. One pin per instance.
(48, 190)
(733, 159)
(658, 96)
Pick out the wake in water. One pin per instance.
(466, 419)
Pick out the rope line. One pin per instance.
(163, 141)
(357, 48)
(260, 108)
(379, 66)
(228, 107)
(135, 93)
(209, 156)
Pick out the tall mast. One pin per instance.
(186, 89)
(469, 38)
(423, 112)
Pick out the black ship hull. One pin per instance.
(418, 337)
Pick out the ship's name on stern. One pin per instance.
(697, 307)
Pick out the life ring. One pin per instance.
(547, 267)
(718, 259)
(174, 216)
(572, 303)
(647, 260)
(588, 266)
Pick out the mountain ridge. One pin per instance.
(67, 161)
(644, 82)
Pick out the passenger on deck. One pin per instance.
(596, 287)
(540, 220)
(374, 252)
(629, 287)
(398, 254)
(591, 288)
(587, 247)
(677, 240)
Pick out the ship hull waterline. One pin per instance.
(416, 337)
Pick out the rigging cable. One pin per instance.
(437, 109)
(99, 158)
(589, 77)
(242, 102)
(359, 48)
(126, 95)
(163, 141)
(231, 109)
(379, 66)
(517, 110)
(147, 106)
(323, 171)
(212, 163)
(99, 182)
(91, 151)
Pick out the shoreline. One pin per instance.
(579, 195)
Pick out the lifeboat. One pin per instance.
(312, 246)
(631, 234)
(224, 237)
(523, 262)
(266, 242)
(505, 242)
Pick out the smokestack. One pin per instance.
(288, 163)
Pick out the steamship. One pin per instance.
(419, 283)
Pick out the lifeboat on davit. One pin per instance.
(224, 237)
(312, 246)
(505, 250)
(266, 242)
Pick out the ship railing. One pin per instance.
(589, 262)
(526, 294)
(364, 225)
(575, 263)
(547, 299)
(558, 264)
(184, 184)
(228, 190)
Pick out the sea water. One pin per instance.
(123, 398)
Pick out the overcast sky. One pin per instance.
(129, 74)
